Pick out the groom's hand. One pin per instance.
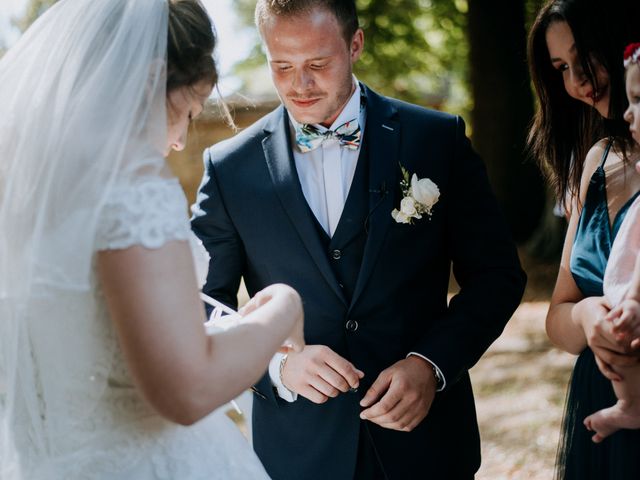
(318, 373)
(401, 396)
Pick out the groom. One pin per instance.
(315, 195)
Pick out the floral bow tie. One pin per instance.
(309, 137)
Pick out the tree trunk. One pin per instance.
(547, 240)
(503, 107)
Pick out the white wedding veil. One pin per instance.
(82, 106)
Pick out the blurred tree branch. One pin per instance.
(34, 9)
(415, 50)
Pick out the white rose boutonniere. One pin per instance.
(420, 195)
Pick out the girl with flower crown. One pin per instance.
(582, 142)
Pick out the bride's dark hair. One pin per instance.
(190, 45)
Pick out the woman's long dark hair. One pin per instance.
(564, 129)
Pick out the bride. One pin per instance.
(106, 371)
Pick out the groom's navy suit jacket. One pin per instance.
(390, 278)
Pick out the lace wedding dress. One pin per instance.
(83, 128)
(99, 425)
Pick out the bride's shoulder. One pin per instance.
(145, 211)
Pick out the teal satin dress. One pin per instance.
(618, 456)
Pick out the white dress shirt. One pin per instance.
(326, 174)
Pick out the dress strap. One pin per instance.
(606, 152)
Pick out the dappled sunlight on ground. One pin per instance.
(520, 386)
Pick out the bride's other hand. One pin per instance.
(289, 306)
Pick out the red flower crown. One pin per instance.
(631, 54)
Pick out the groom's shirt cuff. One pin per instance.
(444, 380)
(274, 374)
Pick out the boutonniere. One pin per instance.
(420, 195)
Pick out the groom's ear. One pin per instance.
(357, 45)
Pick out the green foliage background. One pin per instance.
(420, 55)
(415, 50)
(419, 51)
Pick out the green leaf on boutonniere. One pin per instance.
(406, 180)
(405, 173)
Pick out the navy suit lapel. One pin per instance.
(279, 157)
(383, 132)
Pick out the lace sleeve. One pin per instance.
(148, 213)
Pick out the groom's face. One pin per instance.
(311, 64)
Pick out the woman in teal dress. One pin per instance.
(582, 142)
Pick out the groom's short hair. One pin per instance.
(344, 11)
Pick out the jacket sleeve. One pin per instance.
(485, 265)
(212, 223)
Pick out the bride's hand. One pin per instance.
(286, 301)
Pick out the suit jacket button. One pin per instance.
(336, 254)
(351, 325)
